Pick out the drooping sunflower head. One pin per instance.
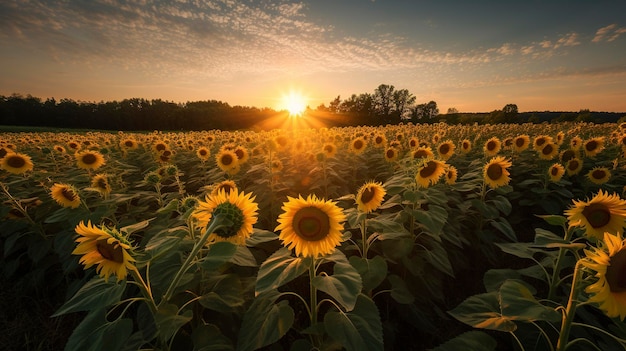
(430, 172)
(540, 141)
(567, 155)
(608, 260)
(492, 146)
(603, 213)
(576, 143)
(496, 173)
(599, 175)
(369, 196)
(16, 163)
(100, 183)
(446, 149)
(555, 172)
(242, 154)
(311, 226)
(227, 186)
(65, 195)
(238, 208)
(548, 151)
(593, 146)
(88, 159)
(560, 137)
(105, 248)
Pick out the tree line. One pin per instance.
(386, 105)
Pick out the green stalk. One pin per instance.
(313, 298)
(364, 236)
(557, 267)
(216, 222)
(570, 310)
(145, 289)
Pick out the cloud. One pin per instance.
(608, 33)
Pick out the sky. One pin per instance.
(474, 56)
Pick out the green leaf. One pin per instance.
(543, 238)
(438, 257)
(280, 268)
(522, 250)
(472, 340)
(225, 294)
(502, 204)
(94, 333)
(433, 219)
(129, 229)
(265, 322)
(359, 329)
(208, 337)
(219, 253)
(399, 290)
(554, 219)
(494, 278)
(504, 227)
(373, 271)
(344, 285)
(483, 311)
(518, 303)
(95, 294)
(243, 257)
(168, 320)
(260, 236)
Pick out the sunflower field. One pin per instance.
(411, 237)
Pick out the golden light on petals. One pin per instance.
(492, 146)
(495, 172)
(603, 213)
(16, 163)
(369, 196)
(555, 172)
(312, 227)
(90, 160)
(105, 248)
(65, 195)
(430, 173)
(608, 260)
(599, 175)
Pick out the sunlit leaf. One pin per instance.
(344, 285)
(95, 294)
(279, 269)
(265, 322)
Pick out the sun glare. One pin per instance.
(294, 103)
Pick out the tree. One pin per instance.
(383, 101)
(452, 110)
(402, 100)
(424, 112)
(333, 106)
(510, 109)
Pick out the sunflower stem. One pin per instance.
(570, 310)
(313, 297)
(557, 267)
(145, 289)
(364, 236)
(216, 222)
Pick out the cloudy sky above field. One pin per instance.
(475, 56)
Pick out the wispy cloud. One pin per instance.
(608, 33)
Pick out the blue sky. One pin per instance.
(475, 56)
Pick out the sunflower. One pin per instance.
(276, 166)
(74, 145)
(159, 146)
(227, 160)
(423, 152)
(329, 150)
(599, 175)
(4, 151)
(574, 166)
(575, 143)
(496, 172)
(65, 195)
(414, 142)
(451, 175)
(312, 227)
(593, 146)
(521, 143)
(466, 146)
(16, 163)
(227, 186)
(608, 260)
(540, 141)
(203, 153)
(548, 151)
(239, 208)
(446, 149)
(603, 213)
(555, 172)
(104, 247)
(380, 140)
(90, 160)
(129, 144)
(242, 154)
(492, 146)
(100, 183)
(357, 145)
(430, 172)
(567, 155)
(369, 196)
(391, 154)
(59, 149)
(560, 137)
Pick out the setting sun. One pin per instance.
(294, 103)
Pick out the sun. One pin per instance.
(294, 103)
